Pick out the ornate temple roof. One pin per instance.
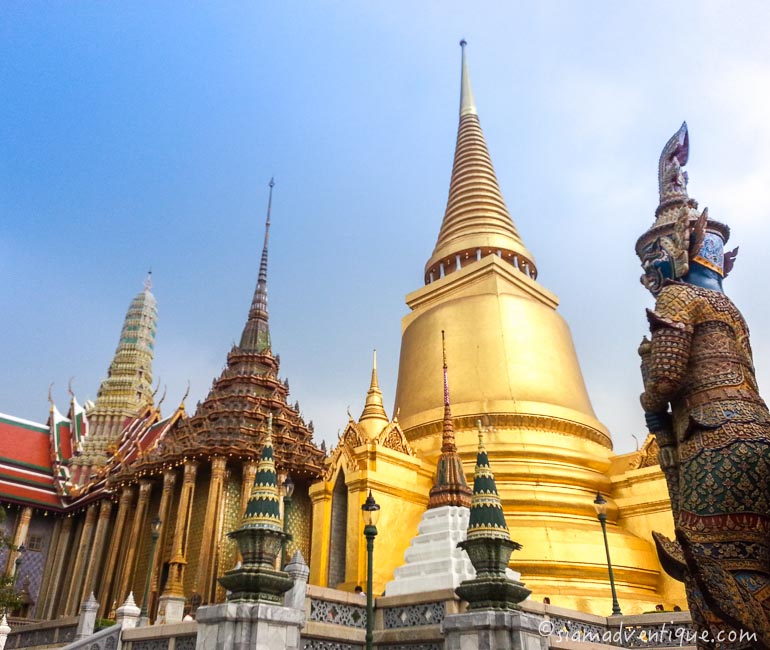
(233, 418)
(26, 473)
(476, 221)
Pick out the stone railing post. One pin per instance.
(5, 630)
(128, 613)
(298, 569)
(87, 622)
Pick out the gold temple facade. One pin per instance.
(513, 366)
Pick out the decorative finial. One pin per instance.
(446, 374)
(481, 434)
(50, 399)
(467, 102)
(186, 394)
(269, 206)
(374, 359)
(160, 401)
(148, 281)
(69, 388)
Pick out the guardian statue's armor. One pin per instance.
(715, 439)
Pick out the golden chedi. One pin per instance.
(516, 369)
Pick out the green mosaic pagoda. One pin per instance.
(489, 545)
(260, 538)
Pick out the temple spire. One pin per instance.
(476, 221)
(467, 102)
(128, 386)
(256, 334)
(373, 418)
(449, 486)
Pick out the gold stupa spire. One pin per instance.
(373, 418)
(476, 221)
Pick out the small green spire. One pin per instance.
(486, 518)
(263, 509)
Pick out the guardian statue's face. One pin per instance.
(657, 259)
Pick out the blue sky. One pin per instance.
(142, 135)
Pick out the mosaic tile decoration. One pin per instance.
(142, 562)
(197, 520)
(33, 562)
(298, 523)
(228, 549)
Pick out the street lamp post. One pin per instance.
(600, 504)
(155, 531)
(371, 513)
(288, 491)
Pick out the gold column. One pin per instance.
(321, 502)
(106, 595)
(81, 557)
(210, 538)
(169, 481)
(249, 474)
(145, 487)
(50, 577)
(175, 584)
(20, 531)
(95, 558)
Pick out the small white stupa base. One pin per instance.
(433, 561)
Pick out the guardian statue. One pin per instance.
(702, 403)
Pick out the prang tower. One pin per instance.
(514, 367)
